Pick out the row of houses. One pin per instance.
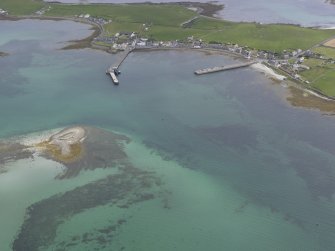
(283, 60)
(97, 20)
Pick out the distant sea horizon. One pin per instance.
(307, 13)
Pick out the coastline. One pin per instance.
(262, 68)
(74, 44)
(98, 30)
(223, 161)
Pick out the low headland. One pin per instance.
(304, 55)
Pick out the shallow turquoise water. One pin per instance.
(239, 168)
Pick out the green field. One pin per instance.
(322, 74)
(167, 15)
(262, 37)
(325, 81)
(266, 37)
(164, 22)
(21, 7)
(326, 51)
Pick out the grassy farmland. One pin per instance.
(21, 7)
(165, 23)
(166, 15)
(321, 74)
(326, 51)
(166, 19)
(271, 37)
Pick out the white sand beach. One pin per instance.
(268, 71)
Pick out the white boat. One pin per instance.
(114, 78)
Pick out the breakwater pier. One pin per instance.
(113, 70)
(223, 68)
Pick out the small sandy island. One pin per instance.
(67, 138)
(64, 146)
(77, 148)
(268, 71)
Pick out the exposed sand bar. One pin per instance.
(31, 140)
(67, 137)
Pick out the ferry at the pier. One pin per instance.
(114, 78)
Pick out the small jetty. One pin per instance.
(113, 70)
(223, 68)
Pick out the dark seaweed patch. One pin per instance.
(315, 170)
(242, 207)
(131, 186)
(100, 237)
(236, 136)
(13, 152)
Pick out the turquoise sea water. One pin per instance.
(235, 166)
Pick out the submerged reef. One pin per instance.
(122, 190)
(80, 148)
